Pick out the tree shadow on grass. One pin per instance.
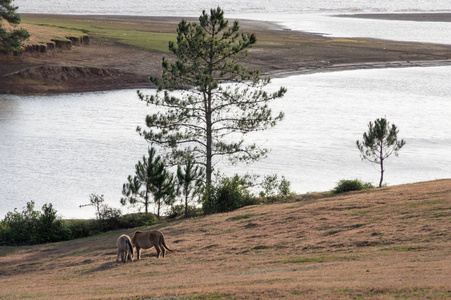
(102, 267)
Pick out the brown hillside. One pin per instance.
(393, 242)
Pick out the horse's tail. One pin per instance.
(129, 246)
(164, 243)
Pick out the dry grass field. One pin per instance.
(387, 243)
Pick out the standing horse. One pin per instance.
(147, 240)
(124, 248)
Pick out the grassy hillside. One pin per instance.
(393, 242)
(150, 36)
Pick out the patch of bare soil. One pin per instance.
(277, 53)
(384, 243)
(101, 65)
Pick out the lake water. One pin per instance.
(179, 8)
(59, 149)
(62, 148)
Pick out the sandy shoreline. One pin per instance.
(417, 17)
(278, 53)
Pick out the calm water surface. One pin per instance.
(62, 148)
(179, 8)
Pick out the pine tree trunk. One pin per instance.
(381, 158)
(186, 206)
(158, 210)
(146, 204)
(209, 169)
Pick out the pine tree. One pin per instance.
(11, 40)
(190, 182)
(164, 192)
(141, 189)
(221, 100)
(379, 143)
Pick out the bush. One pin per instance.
(113, 221)
(137, 220)
(33, 227)
(229, 195)
(79, 228)
(179, 210)
(109, 219)
(351, 185)
(272, 186)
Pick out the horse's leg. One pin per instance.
(138, 253)
(163, 250)
(118, 253)
(158, 250)
(124, 258)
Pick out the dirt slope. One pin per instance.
(393, 242)
(277, 53)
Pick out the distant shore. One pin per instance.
(110, 63)
(417, 17)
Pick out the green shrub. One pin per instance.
(179, 210)
(79, 228)
(229, 195)
(137, 220)
(113, 221)
(351, 185)
(273, 187)
(33, 227)
(109, 219)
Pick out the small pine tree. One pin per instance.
(379, 143)
(164, 191)
(190, 182)
(149, 173)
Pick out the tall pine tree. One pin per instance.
(220, 101)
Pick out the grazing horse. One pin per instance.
(147, 240)
(124, 248)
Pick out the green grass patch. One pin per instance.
(297, 293)
(316, 259)
(387, 293)
(213, 296)
(427, 203)
(6, 251)
(326, 228)
(403, 249)
(306, 260)
(359, 212)
(133, 34)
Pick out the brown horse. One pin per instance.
(124, 248)
(147, 240)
